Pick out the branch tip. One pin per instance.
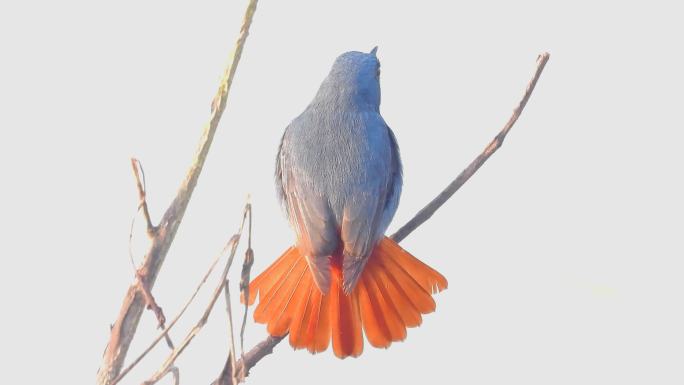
(427, 212)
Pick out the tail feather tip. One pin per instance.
(391, 294)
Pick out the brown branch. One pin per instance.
(171, 359)
(227, 372)
(226, 377)
(233, 240)
(143, 287)
(265, 347)
(133, 305)
(261, 350)
(244, 282)
(425, 214)
(142, 194)
(151, 304)
(176, 376)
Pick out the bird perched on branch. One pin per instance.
(339, 175)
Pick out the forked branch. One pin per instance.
(171, 359)
(134, 303)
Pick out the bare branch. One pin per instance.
(261, 350)
(152, 305)
(266, 347)
(144, 288)
(171, 359)
(226, 377)
(176, 376)
(142, 194)
(229, 245)
(133, 305)
(227, 372)
(425, 214)
(244, 281)
(130, 240)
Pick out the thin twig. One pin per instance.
(130, 239)
(229, 245)
(171, 359)
(153, 305)
(227, 371)
(228, 374)
(244, 280)
(425, 214)
(261, 350)
(124, 328)
(142, 204)
(176, 375)
(240, 374)
(142, 194)
(144, 288)
(265, 347)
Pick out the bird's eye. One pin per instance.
(378, 73)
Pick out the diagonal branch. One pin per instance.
(244, 282)
(265, 347)
(171, 359)
(425, 214)
(143, 287)
(165, 332)
(174, 372)
(236, 372)
(152, 304)
(133, 305)
(261, 350)
(226, 377)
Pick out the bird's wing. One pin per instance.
(368, 213)
(359, 232)
(310, 215)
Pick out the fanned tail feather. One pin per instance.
(393, 292)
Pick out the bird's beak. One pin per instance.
(374, 51)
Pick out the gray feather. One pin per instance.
(338, 170)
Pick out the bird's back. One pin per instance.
(338, 155)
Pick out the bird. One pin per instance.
(339, 178)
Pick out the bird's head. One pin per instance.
(354, 78)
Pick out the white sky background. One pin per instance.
(563, 253)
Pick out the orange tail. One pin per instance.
(395, 288)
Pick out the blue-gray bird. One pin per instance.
(339, 176)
